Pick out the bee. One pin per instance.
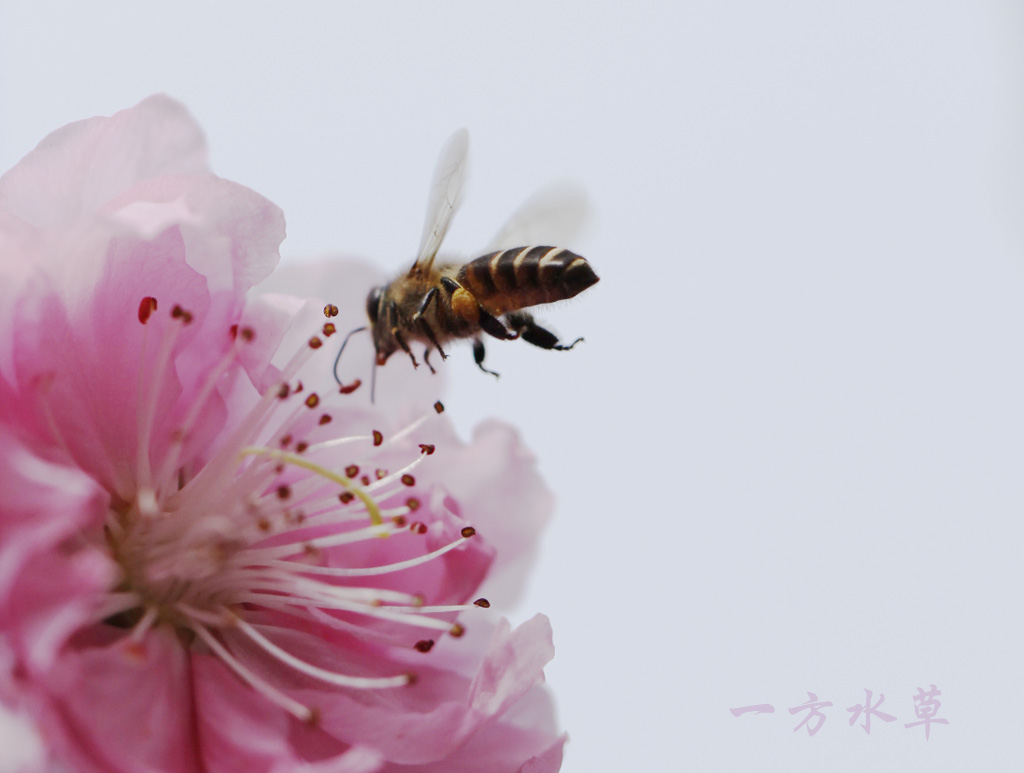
(437, 302)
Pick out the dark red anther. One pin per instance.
(146, 307)
(398, 520)
(233, 332)
(351, 471)
(312, 401)
(325, 419)
(347, 389)
(283, 391)
(263, 525)
(330, 310)
(424, 645)
(345, 497)
(457, 630)
(247, 333)
(315, 342)
(413, 504)
(298, 387)
(427, 448)
(286, 441)
(439, 407)
(329, 329)
(467, 531)
(418, 527)
(365, 480)
(482, 603)
(408, 480)
(301, 446)
(283, 492)
(179, 313)
(380, 473)
(377, 438)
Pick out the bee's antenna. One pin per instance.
(342, 349)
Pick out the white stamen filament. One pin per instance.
(149, 396)
(293, 707)
(332, 677)
(368, 571)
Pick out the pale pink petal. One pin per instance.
(239, 733)
(22, 749)
(495, 481)
(48, 587)
(127, 707)
(67, 352)
(432, 718)
(81, 166)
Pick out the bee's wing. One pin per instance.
(554, 215)
(444, 198)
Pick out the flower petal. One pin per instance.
(127, 707)
(99, 158)
(47, 586)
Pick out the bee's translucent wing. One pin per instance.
(445, 195)
(554, 215)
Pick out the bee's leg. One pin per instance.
(478, 356)
(493, 327)
(420, 321)
(397, 334)
(533, 333)
(405, 346)
(426, 359)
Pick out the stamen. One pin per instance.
(368, 571)
(331, 677)
(199, 403)
(149, 393)
(298, 461)
(293, 707)
(140, 629)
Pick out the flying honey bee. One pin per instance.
(437, 302)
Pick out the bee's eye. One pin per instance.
(373, 303)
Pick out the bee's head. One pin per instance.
(373, 304)
(383, 342)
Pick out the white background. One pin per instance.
(788, 457)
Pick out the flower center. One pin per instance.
(261, 530)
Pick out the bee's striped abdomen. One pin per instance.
(525, 276)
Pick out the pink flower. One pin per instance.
(204, 564)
